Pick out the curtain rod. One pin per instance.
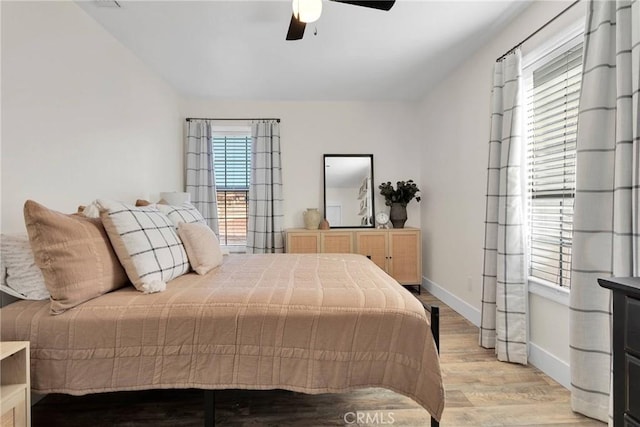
(208, 119)
(538, 30)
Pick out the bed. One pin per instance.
(319, 323)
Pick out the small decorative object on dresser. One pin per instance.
(324, 224)
(398, 199)
(311, 218)
(382, 219)
(398, 215)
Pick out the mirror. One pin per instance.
(348, 192)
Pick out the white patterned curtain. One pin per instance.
(606, 223)
(264, 230)
(200, 176)
(504, 291)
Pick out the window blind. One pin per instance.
(552, 115)
(231, 162)
(232, 167)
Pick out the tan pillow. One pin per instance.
(202, 246)
(74, 255)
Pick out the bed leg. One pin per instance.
(209, 408)
(434, 317)
(435, 330)
(435, 325)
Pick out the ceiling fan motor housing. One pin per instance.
(305, 11)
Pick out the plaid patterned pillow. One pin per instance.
(185, 212)
(146, 243)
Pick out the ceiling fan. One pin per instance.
(306, 11)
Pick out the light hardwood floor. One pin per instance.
(479, 390)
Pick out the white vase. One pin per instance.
(311, 218)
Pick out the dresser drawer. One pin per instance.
(632, 326)
(632, 404)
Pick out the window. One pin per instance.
(553, 92)
(232, 154)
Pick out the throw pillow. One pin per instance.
(146, 243)
(185, 212)
(21, 277)
(202, 246)
(74, 255)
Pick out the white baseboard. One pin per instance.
(463, 308)
(550, 365)
(538, 357)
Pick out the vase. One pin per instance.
(324, 225)
(311, 218)
(398, 215)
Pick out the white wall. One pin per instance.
(311, 129)
(82, 117)
(455, 120)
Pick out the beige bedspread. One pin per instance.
(307, 323)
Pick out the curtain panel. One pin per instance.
(606, 223)
(504, 287)
(200, 177)
(264, 229)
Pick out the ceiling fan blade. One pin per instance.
(382, 5)
(296, 29)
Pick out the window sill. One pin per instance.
(548, 291)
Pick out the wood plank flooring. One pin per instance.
(480, 392)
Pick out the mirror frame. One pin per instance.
(324, 188)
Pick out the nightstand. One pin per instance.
(626, 349)
(15, 386)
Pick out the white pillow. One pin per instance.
(21, 277)
(185, 212)
(202, 245)
(146, 243)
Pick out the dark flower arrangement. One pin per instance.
(404, 193)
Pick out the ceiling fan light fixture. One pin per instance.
(307, 10)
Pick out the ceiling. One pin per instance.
(236, 50)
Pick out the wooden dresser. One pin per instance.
(397, 251)
(626, 349)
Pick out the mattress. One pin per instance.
(311, 323)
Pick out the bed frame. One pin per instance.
(434, 315)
